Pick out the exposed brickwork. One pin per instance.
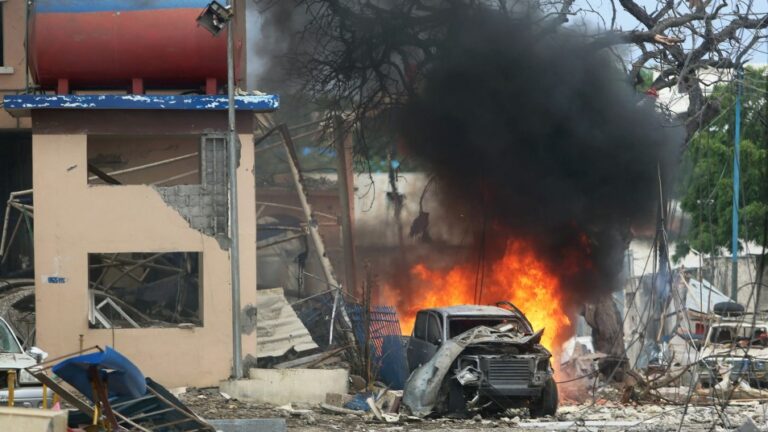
(204, 206)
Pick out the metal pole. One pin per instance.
(234, 251)
(314, 230)
(314, 233)
(736, 181)
(11, 386)
(345, 199)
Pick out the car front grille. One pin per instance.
(509, 371)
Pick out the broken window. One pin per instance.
(160, 160)
(420, 328)
(145, 289)
(434, 331)
(8, 343)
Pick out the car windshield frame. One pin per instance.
(485, 320)
(8, 342)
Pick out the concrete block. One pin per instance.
(196, 211)
(209, 213)
(194, 200)
(200, 222)
(188, 189)
(249, 425)
(335, 399)
(221, 199)
(32, 420)
(283, 386)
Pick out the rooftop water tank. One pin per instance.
(106, 44)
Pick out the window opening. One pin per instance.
(145, 289)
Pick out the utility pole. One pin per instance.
(215, 18)
(736, 181)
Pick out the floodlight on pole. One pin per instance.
(214, 18)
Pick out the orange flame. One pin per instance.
(519, 277)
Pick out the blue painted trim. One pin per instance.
(81, 6)
(262, 103)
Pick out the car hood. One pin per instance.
(729, 351)
(16, 361)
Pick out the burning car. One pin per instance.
(469, 358)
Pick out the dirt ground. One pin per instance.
(600, 415)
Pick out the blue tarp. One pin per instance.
(393, 366)
(358, 403)
(122, 377)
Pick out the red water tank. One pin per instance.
(110, 44)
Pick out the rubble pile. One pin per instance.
(599, 415)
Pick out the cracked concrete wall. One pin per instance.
(73, 219)
(204, 209)
(205, 206)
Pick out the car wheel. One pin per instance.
(546, 405)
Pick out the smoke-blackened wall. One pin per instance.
(540, 137)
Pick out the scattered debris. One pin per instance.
(249, 425)
(112, 391)
(290, 410)
(748, 426)
(315, 360)
(339, 410)
(144, 289)
(278, 328)
(607, 415)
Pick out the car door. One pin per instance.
(416, 351)
(434, 335)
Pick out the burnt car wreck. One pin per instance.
(467, 359)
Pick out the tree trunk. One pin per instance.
(608, 337)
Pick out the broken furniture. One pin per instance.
(111, 391)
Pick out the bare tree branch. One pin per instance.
(363, 56)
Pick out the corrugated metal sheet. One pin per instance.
(278, 329)
(703, 296)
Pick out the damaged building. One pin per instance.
(131, 234)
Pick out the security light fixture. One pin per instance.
(215, 17)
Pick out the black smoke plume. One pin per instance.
(531, 131)
(539, 136)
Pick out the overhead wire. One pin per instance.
(632, 303)
(755, 292)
